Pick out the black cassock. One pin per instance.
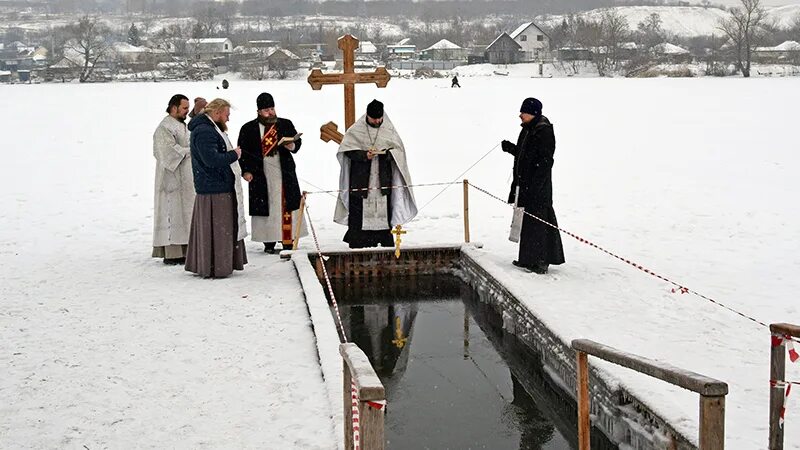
(359, 179)
(539, 244)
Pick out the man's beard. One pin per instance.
(267, 120)
(378, 125)
(222, 126)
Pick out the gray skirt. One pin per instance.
(213, 249)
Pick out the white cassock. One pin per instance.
(270, 228)
(174, 188)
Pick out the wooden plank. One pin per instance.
(330, 132)
(368, 384)
(785, 328)
(348, 409)
(349, 106)
(584, 426)
(712, 422)
(317, 78)
(372, 427)
(686, 379)
(466, 211)
(299, 221)
(777, 371)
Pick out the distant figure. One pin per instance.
(372, 160)
(455, 82)
(225, 84)
(174, 187)
(532, 189)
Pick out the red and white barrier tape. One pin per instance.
(780, 339)
(322, 259)
(678, 288)
(379, 405)
(780, 385)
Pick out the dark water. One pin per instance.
(453, 378)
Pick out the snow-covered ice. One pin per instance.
(103, 346)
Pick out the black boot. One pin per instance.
(541, 269)
(522, 266)
(174, 261)
(269, 247)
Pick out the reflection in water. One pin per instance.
(442, 356)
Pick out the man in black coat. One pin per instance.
(269, 169)
(532, 189)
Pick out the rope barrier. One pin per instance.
(678, 288)
(380, 187)
(322, 259)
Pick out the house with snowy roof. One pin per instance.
(444, 50)
(534, 42)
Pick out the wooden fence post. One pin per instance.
(584, 427)
(466, 210)
(712, 422)
(348, 408)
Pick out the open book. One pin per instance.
(381, 151)
(288, 139)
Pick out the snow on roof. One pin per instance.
(208, 41)
(367, 47)
(670, 49)
(498, 38)
(405, 41)
(520, 29)
(124, 47)
(4, 73)
(628, 46)
(444, 44)
(788, 46)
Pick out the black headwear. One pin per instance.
(531, 106)
(265, 101)
(375, 109)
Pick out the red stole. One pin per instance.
(269, 140)
(268, 143)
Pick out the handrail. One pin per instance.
(712, 392)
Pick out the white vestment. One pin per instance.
(174, 185)
(237, 185)
(361, 136)
(270, 228)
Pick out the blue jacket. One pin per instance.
(211, 159)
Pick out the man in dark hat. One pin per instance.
(269, 168)
(532, 189)
(374, 181)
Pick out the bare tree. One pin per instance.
(614, 31)
(87, 44)
(745, 29)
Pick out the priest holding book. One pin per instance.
(374, 181)
(268, 143)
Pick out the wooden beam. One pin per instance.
(296, 241)
(368, 384)
(348, 409)
(466, 211)
(380, 77)
(686, 379)
(785, 328)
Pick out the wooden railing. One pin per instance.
(712, 392)
(369, 391)
(777, 372)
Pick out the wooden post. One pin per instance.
(777, 372)
(371, 426)
(584, 427)
(348, 408)
(299, 221)
(466, 210)
(712, 422)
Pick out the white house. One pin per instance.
(209, 46)
(535, 43)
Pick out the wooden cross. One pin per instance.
(348, 44)
(397, 232)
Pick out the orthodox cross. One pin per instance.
(397, 232)
(349, 78)
(399, 341)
